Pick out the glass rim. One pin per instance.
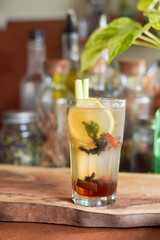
(95, 98)
(107, 99)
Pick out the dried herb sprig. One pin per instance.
(100, 143)
(54, 146)
(96, 150)
(90, 178)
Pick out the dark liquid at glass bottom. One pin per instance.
(98, 188)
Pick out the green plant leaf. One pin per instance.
(96, 43)
(154, 18)
(143, 5)
(92, 129)
(127, 32)
(121, 34)
(117, 37)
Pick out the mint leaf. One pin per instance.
(100, 143)
(92, 129)
(117, 37)
(143, 5)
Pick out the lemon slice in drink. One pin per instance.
(86, 111)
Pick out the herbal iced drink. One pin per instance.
(95, 129)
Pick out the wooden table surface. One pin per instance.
(42, 231)
(37, 231)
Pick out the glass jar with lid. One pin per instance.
(20, 138)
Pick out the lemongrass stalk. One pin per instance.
(85, 86)
(78, 90)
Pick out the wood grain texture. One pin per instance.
(30, 194)
(37, 231)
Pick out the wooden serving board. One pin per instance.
(35, 194)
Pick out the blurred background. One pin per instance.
(18, 17)
(62, 24)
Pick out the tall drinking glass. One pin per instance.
(95, 131)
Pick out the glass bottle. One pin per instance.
(56, 73)
(102, 23)
(31, 82)
(20, 138)
(70, 48)
(97, 76)
(138, 103)
(142, 146)
(156, 149)
(54, 150)
(153, 87)
(112, 82)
